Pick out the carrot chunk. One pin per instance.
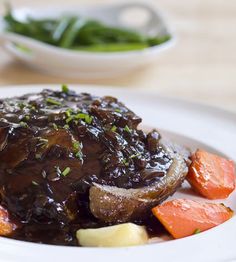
(6, 227)
(211, 176)
(183, 217)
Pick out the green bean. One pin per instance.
(71, 32)
(81, 34)
(158, 40)
(117, 47)
(61, 28)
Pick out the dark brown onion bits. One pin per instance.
(153, 140)
(105, 116)
(55, 145)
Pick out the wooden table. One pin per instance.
(201, 67)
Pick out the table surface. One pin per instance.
(201, 67)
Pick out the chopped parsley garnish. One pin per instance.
(65, 89)
(80, 116)
(66, 126)
(55, 126)
(22, 105)
(125, 162)
(197, 231)
(79, 155)
(77, 148)
(87, 118)
(69, 119)
(114, 128)
(76, 145)
(35, 183)
(42, 142)
(127, 129)
(23, 124)
(52, 101)
(68, 112)
(66, 171)
(135, 155)
(72, 116)
(31, 107)
(118, 110)
(27, 118)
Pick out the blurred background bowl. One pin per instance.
(84, 64)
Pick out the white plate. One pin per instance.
(53, 60)
(191, 124)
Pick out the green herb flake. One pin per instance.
(80, 116)
(88, 119)
(135, 155)
(27, 118)
(79, 155)
(117, 110)
(65, 89)
(35, 183)
(76, 145)
(114, 128)
(77, 148)
(42, 142)
(125, 162)
(197, 231)
(66, 127)
(127, 129)
(22, 105)
(66, 171)
(55, 126)
(23, 124)
(52, 101)
(68, 112)
(69, 119)
(33, 108)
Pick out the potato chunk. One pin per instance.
(122, 235)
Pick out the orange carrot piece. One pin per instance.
(6, 227)
(211, 176)
(183, 217)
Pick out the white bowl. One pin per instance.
(59, 61)
(193, 125)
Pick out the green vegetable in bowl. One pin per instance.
(77, 33)
(116, 47)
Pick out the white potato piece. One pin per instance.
(122, 235)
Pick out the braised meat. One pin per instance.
(70, 161)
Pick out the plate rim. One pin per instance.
(129, 251)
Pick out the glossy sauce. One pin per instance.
(54, 145)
